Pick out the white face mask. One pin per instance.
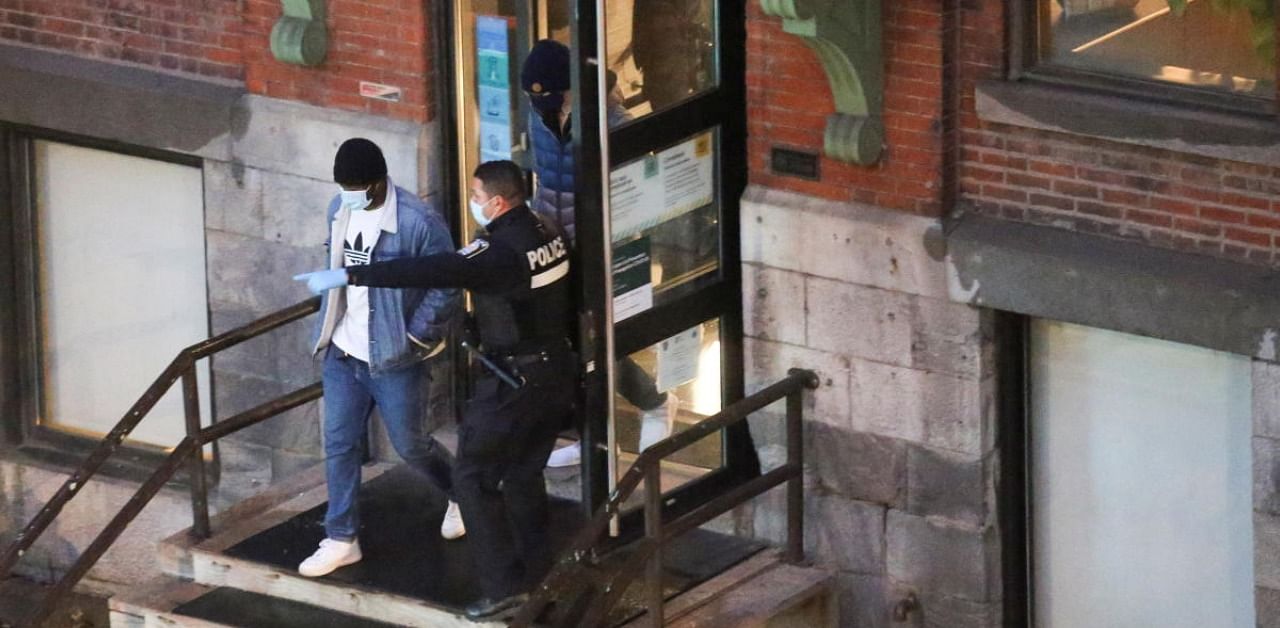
(477, 212)
(353, 200)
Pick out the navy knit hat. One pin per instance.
(546, 69)
(359, 161)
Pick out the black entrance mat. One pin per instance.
(234, 607)
(400, 516)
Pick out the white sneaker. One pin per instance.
(567, 456)
(331, 555)
(452, 527)
(656, 424)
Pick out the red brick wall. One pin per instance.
(194, 37)
(788, 100)
(381, 41)
(1159, 197)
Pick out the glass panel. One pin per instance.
(665, 218)
(661, 52)
(105, 334)
(665, 389)
(1142, 489)
(490, 125)
(1204, 47)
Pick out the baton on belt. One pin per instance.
(506, 377)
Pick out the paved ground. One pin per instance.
(18, 595)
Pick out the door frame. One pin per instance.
(724, 106)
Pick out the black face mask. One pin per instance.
(548, 103)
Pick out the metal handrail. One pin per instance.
(187, 451)
(658, 533)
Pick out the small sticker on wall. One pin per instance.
(379, 91)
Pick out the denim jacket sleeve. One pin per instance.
(431, 321)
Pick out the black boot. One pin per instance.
(488, 608)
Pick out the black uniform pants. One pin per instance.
(503, 444)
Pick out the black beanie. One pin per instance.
(359, 161)
(546, 69)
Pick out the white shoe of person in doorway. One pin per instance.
(567, 456)
(657, 423)
(331, 555)
(452, 527)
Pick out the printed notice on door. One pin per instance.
(678, 358)
(632, 286)
(662, 186)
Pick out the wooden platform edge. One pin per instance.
(694, 598)
(272, 506)
(151, 604)
(765, 597)
(218, 570)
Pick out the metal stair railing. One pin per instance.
(599, 592)
(188, 451)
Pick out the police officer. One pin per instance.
(519, 278)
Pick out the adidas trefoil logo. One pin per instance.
(356, 253)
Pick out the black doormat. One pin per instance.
(400, 514)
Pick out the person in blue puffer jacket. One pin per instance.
(544, 77)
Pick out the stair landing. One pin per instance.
(409, 575)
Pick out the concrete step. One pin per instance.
(152, 605)
(167, 601)
(760, 592)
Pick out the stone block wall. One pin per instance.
(1266, 492)
(900, 453)
(267, 168)
(265, 222)
(24, 490)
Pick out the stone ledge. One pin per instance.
(210, 119)
(130, 104)
(1078, 111)
(1112, 284)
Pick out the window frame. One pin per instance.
(1027, 30)
(21, 334)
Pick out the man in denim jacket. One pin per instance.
(375, 342)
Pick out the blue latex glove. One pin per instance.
(322, 280)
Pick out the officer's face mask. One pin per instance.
(477, 211)
(354, 200)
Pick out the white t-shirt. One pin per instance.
(352, 333)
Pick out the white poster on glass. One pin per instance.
(662, 186)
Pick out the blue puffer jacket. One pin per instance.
(553, 165)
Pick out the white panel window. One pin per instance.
(122, 286)
(1142, 491)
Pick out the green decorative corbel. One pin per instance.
(846, 37)
(300, 37)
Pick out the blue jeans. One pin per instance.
(349, 396)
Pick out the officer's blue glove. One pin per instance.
(322, 280)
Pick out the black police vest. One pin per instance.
(537, 314)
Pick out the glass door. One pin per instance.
(661, 167)
(658, 139)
